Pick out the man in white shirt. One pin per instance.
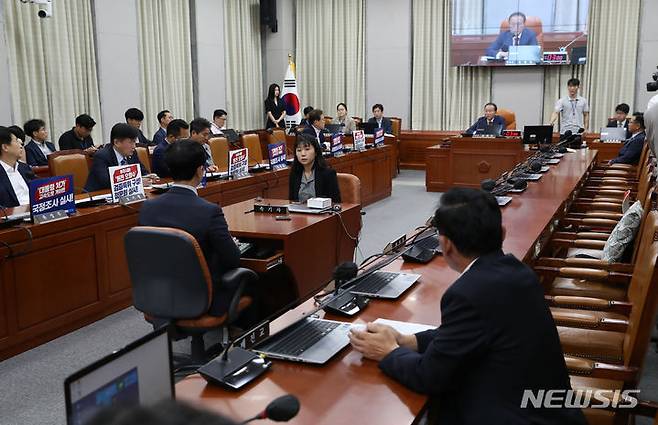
(572, 110)
(37, 149)
(14, 175)
(218, 122)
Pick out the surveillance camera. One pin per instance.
(45, 7)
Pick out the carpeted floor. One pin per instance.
(33, 381)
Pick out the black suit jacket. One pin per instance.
(310, 131)
(387, 125)
(326, 184)
(160, 136)
(481, 123)
(68, 140)
(158, 162)
(142, 139)
(35, 156)
(182, 209)
(99, 177)
(497, 337)
(8, 197)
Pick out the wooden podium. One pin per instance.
(466, 161)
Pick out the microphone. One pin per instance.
(344, 273)
(564, 48)
(488, 185)
(281, 409)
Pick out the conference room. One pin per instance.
(384, 211)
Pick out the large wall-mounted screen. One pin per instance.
(519, 32)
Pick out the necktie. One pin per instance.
(516, 40)
(124, 162)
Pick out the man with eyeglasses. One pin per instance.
(14, 175)
(631, 152)
(572, 110)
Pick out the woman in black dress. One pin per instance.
(275, 108)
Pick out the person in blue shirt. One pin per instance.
(488, 121)
(631, 152)
(517, 35)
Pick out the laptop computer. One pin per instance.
(231, 135)
(309, 340)
(138, 374)
(610, 134)
(524, 55)
(335, 128)
(368, 127)
(490, 130)
(381, 284)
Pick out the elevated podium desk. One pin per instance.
(67, 274)
(351, 389)
(466, 161)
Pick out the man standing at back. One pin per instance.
(572, 110)
(164, 118)
(497, 337)
(182, 208)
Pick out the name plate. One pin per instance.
(50, 217)
(255, 336)
(271, 209)
(131, 199)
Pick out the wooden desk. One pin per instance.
(73, 272)
(466, 161)
(607, 150)
(349, 388)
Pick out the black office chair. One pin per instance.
(172, 285)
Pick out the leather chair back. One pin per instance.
(276, 135)
(533, 23)
(396, 124)
(350, 188)
(251, 142)
(357, 120)
(144, 157)
(510, 118)
(219, 151)
(327, 119)
(643, 294)
(170, 277)
(72, 161)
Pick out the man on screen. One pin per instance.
(517, 35)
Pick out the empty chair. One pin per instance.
(72, 161)
(350, 188)
(144, 157)
(219, 150)
(252, 142)
(510, 118)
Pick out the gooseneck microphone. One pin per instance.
(281, 409)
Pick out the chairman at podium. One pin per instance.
(489, 123)
(517, 35)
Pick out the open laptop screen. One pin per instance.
(140, 373)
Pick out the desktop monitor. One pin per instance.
(537, 134)
(140, 373)
(368, 127)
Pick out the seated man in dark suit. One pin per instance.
(497, 337)
(134, 118)
(120, 151)
(486, 123)
(517, 35)
(176, 130)
(303, 124)
(79, 137)
(37, 149)
(14, 175)
(316, 129)
(631, 152)
(621, 118)
(380, 120)
(164, 118)
(183, 209)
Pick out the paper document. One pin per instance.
(405, 327)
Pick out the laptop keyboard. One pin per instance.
(375, 282)
(300, 337)
(430, 242)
